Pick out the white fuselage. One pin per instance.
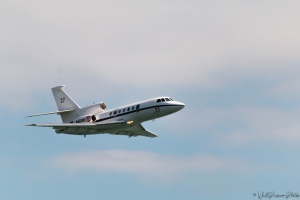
(136, 112)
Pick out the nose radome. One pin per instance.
(180, 105)
(176, 106)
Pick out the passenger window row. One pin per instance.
(163, 100)
(137, 107)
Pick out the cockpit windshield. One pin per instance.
(163, 100)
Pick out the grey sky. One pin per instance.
(234, 63)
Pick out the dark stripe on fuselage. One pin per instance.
(133, 111)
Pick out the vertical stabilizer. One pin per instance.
(65, 102)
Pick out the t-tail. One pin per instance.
(66, 105)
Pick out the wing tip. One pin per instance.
(30, 125)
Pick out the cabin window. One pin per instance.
(119, 111)
(138, 107)
(110, 113)
(128, 109)
(124, 110)
(158, 101)
(115, 112)
(132, 108)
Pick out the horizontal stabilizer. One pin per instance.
(50, 113)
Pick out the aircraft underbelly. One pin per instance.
(90, 131)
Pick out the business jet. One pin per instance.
(95, 119)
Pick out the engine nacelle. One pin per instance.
(93, 109)
(103, 105)
(90, 113)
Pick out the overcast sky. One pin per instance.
(235, 64)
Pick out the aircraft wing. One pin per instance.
(78, 124)
(134, 131)
(112, 127)
(83, 128)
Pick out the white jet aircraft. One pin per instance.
(94, 119)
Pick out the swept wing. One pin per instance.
(111, 127)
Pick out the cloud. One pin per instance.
(287, 90)
(149, 44)
(245, 125)
(147, 165)
(145, 38)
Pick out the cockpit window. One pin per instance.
(171, 99)
(162, 100)
(158, 101)
(168, 99)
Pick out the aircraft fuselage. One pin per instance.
(141, 111)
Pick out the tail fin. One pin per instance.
(64, 102)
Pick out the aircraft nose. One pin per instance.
(180, 105)
(175, 107)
